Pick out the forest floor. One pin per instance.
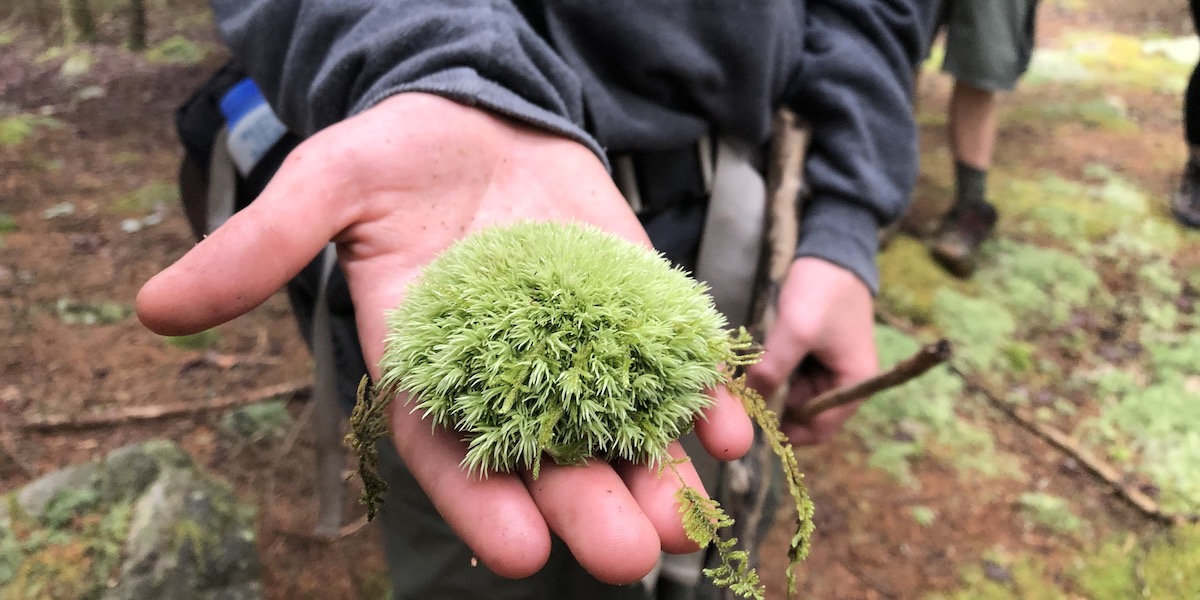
(1082, 325)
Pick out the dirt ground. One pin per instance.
(107, 147)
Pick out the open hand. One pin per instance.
(824, 338)
(393, 187)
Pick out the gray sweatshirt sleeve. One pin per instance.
(319, 62)
(854, 85)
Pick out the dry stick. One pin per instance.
(293, 389)
(344, 531)
(910, 368)
(1065, 444)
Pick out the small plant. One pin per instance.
(560, 341)
(209, 338)
(73, 312)
(1051, 512)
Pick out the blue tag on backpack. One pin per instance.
(253, 127)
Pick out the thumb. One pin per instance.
(253, 254)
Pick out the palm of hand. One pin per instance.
(393, 187)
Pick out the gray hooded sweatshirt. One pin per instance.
(624, 76)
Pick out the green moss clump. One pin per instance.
(146, 198)
(209, 338)
(1163, 568)
(1037, 284)
(1104, 114)
(559, 339)
(72, 550)
(1026, 579)
(261, 421)
(935, 426)
(980, 329)
(1051, 512)
(15, 129)
(911, 280)
(1171, 565)
(177, 50)
(1156, 427)
(1108, 572)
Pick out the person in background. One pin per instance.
(989, 44)
(1185, 204)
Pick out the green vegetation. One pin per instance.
(71, 550)
(604, 351)
(146, 198)
(577, 345)
(980, 328)
(177, 50)
(923, 515)
(15, 129)
(1121, 568)
(910, 280)
(1038, 285)
(77, 312)
(203, 340)
(7, 223)
(1051, 512)
(924, 418)
(261, 421)
(77, 64)
(1107, 114)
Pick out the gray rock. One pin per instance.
(172, 531)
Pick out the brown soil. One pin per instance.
(867, 546)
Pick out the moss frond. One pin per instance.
(768, 421)
(702, 519)
(368, 423)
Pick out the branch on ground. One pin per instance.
(290, 390)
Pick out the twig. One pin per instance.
(851, 566)
(346, 530)
(1067, 445)
(294, 433)
(294, 389)
(914, 366)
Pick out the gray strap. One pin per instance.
(222, 183)
(326, 417)
(731, 244)
(625, 177)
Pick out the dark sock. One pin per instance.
(971, 185)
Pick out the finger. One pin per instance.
(724, 428)
(591, 509)
(783, 351)
(252, 255)
(655, 489)
(494, 516)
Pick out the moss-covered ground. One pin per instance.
(1083, 315)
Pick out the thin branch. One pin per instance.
(293, 390)
(914, 366)
(851, 564)
(344, 531)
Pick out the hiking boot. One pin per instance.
(956, 244)
(1186, 201)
